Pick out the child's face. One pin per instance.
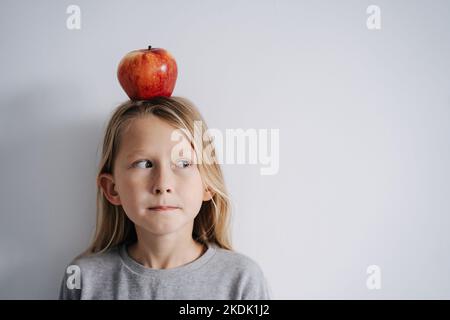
(150, 177)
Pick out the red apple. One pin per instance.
(147, 73)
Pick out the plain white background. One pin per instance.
(363, 116)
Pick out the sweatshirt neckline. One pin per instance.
(136, 267)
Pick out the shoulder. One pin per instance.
(246, 274)
(93, 268)
(237, 261)
(108, 260)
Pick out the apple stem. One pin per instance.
(149, 47)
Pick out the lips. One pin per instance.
(163, 208)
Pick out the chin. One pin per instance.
(161, 228)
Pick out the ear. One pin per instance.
(106, 182)
(207, 194)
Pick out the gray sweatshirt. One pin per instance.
(217, 274)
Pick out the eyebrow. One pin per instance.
(135, 152)
(143, 152)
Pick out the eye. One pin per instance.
(148, 164)
(183, 163)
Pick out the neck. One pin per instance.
(166, 251)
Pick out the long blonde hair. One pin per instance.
(113, 227)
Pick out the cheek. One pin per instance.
(133, 182)
(192, 193)
(131, 193)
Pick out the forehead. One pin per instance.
(151, 134)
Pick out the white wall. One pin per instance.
(363, 116)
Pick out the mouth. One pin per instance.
(163, 208)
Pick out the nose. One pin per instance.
(162, 190)
(163, 181)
